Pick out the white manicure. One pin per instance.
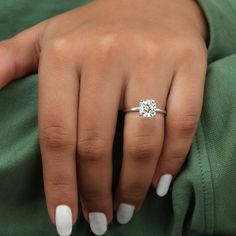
(163, 185)
(63, 220)
(125, 213)
(98, 223)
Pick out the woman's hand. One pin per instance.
(93, 61)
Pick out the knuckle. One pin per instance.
(141, 147)
(95, 196)
(189, 53)
(91, 147)
(58, 187)
(58, 184)
(56, 136)
(189, 56)
(135, 193)
(107, 44)
(60, 46)
(186, 125)
(149, 50)
(177, 155)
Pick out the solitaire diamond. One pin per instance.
(147, 108)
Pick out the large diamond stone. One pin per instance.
(147, 108)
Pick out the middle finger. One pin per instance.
(98, 108)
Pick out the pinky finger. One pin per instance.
(184, 109)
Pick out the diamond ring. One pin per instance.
(147, 108)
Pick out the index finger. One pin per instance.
(58, 105)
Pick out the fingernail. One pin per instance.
(98, 223)
(63, 220)
(125, 213)
(163, 185)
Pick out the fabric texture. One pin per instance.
(201, 200)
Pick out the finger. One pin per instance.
(184, 108)
(58, 106)
(19, 54)
(98, 109)
(143, 138)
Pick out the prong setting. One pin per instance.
(147, 108)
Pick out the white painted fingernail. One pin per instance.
(98, 223)
(63, 220)
(125, 213)
(163, 185)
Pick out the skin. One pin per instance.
(93, 61)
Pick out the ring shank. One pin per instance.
(136, 109)
(133, 109)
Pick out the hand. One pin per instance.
(93, 61)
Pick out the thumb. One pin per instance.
(19, 55)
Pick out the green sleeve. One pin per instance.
(221, 17)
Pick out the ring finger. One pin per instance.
(143, 139)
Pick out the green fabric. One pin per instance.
(221, 16)
(202, 198)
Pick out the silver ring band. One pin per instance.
(136, 109)
(147, 108)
